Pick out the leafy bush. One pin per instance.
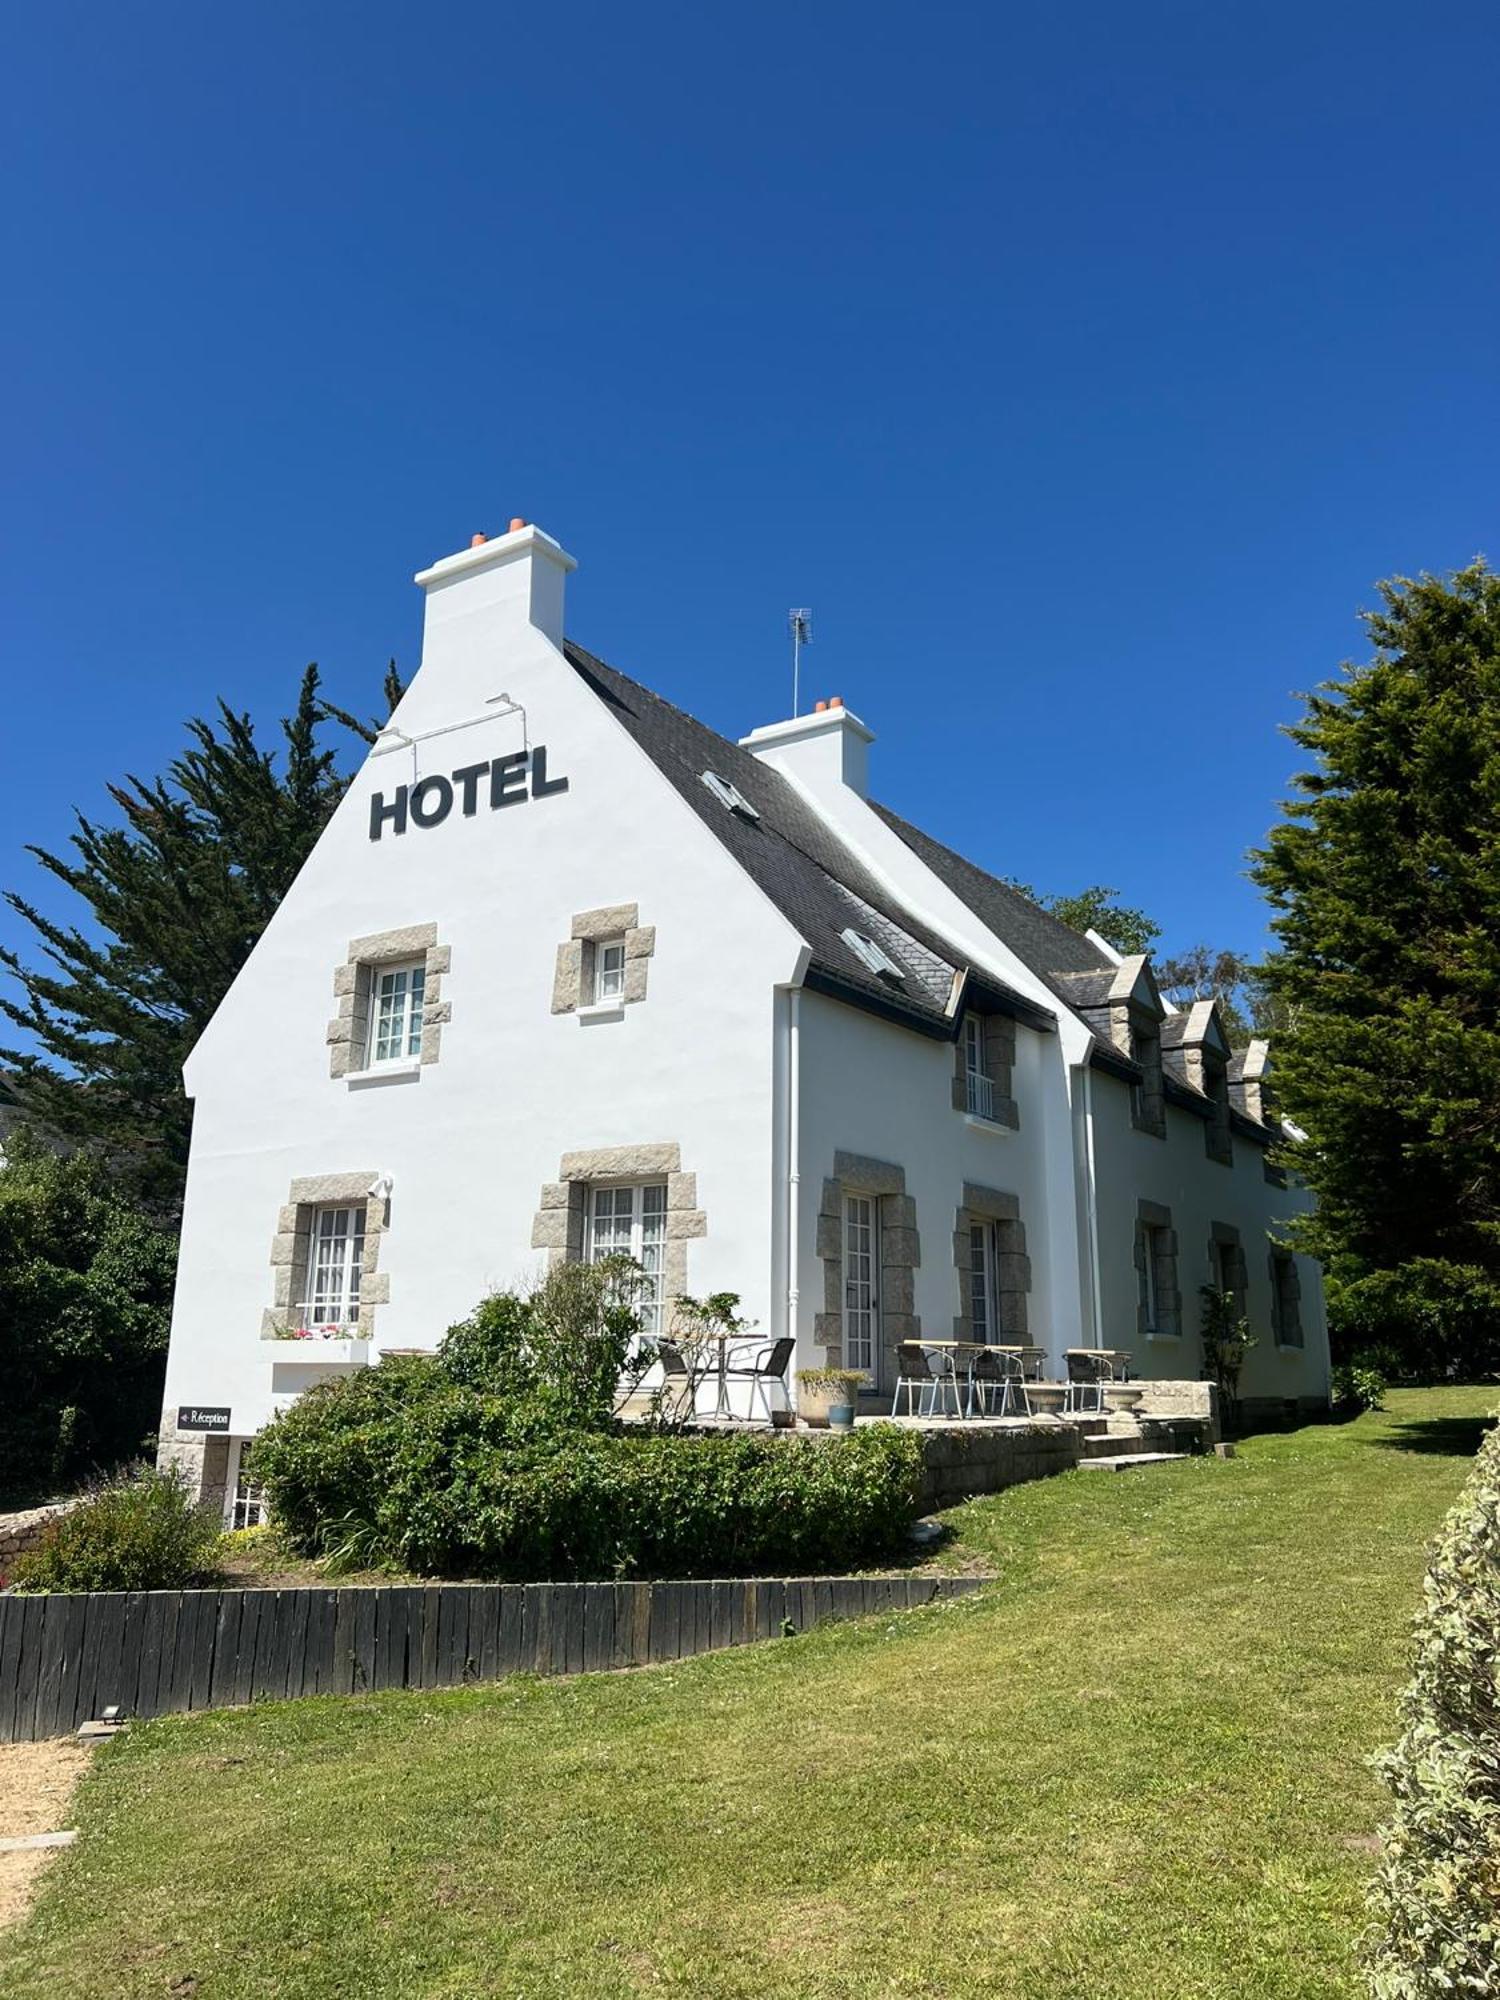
(1436, 1899)
(498, 1457)
(1358, 1385)
(141, 1533)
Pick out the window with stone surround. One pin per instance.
(1227, 1271)
(870, 1258)
(1148, 1103)
(1286, 1298)
(324, 1254)
(632, 1198)
(1158, 1314)
(994, 1271)
(391, 1010)
(603, 965)
(985, 1056)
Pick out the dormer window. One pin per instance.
(871, 956)
(730, 795)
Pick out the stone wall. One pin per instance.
(1182, 1399)
(22, 1532)
(959, 1462)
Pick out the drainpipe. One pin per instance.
(1090, 1206)
(794, 1152)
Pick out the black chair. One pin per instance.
(770, 1365)
(991, 1370)
(1087, 1374)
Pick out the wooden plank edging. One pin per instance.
(66, 1657)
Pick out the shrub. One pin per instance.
(141, 1533)
(1436, 1898)
(1358, 1384)
(650, 1504)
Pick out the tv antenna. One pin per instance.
(799, 624)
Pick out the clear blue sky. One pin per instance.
(1081, 368)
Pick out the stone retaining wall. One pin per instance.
(963, 1461)
(21, 1532)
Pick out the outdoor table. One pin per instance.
(958, 1347)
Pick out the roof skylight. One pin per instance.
(871, 956)
(729, 795)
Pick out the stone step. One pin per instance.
(1115, 1444)
(1127, 1461)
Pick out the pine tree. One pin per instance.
(173, 897)
(1385, 879)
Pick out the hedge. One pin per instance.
(1436, 1898)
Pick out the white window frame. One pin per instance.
(860, 1228)
(244, 1500)
(984, 1300)
(344, 1265)
(979, 1089)
(643, 1237)
(609, 970)
(406, 1043)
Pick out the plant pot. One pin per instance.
(841, 1416)
(1123, 1396)
(781, 1420)
(1046, 1398)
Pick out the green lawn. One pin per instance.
(1132, 1767)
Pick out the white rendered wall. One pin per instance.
(471, 1140)
(1176, 1172)
(871, 1087)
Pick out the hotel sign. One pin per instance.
(500, 781)
(203, 1417)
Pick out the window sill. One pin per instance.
(387, 1072)
(980, 1123)
(1168, 1339)
(602, 1010)
(1291, 1347)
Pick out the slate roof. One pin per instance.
(798, 862)
(1044, 943)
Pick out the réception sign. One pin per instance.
(203, 1417)
(500, 781)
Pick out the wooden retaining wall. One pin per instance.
(64, 1659)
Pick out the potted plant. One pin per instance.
(827, 1397)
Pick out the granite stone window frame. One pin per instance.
(1158, 1314)
(997, 1046)
(560, 1225)
(354, 984)
(994, 1209)
(1286, 1298)
(1227, 1270)
(291, 1247)
(900, 1253)
(575, 982)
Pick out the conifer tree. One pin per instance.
(172, 899)
(1385, 878)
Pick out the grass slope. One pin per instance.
(1133, 1767)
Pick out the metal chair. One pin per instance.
(677, 1386)
(989, 1370)
(1086, 1378)
(928, 1374)
(770, 1365)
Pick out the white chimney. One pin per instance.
(817, 752)
(518, 577)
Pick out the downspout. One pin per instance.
(794, 1151)
(1091, 1212)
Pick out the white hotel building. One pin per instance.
(567, 970)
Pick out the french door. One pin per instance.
(632, 1222)
(861, 1292)
(984, 1317)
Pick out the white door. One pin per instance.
(632, 1221)
(861, 1296)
